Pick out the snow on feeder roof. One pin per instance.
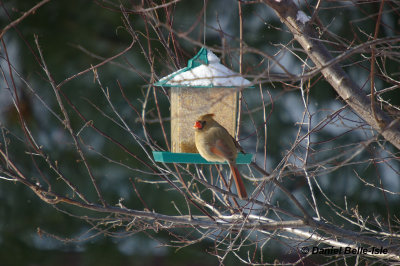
(204, 71)
(204, 86)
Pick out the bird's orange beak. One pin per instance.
(198, 125)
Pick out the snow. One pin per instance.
(212, 58)
(213, 75)
(302, 17)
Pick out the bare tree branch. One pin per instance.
(347, 89)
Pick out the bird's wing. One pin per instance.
(222, 149)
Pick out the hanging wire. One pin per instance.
(204, 22)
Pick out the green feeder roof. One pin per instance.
(204, 70)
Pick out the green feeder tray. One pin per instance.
(195, 158)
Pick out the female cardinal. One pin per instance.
(215, 144)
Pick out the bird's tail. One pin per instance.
(241, 190)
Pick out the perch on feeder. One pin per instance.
(204, 86)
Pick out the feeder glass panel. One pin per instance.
(187, 104)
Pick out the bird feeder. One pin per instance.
(204, 86)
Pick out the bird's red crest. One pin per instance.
(208, 116)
